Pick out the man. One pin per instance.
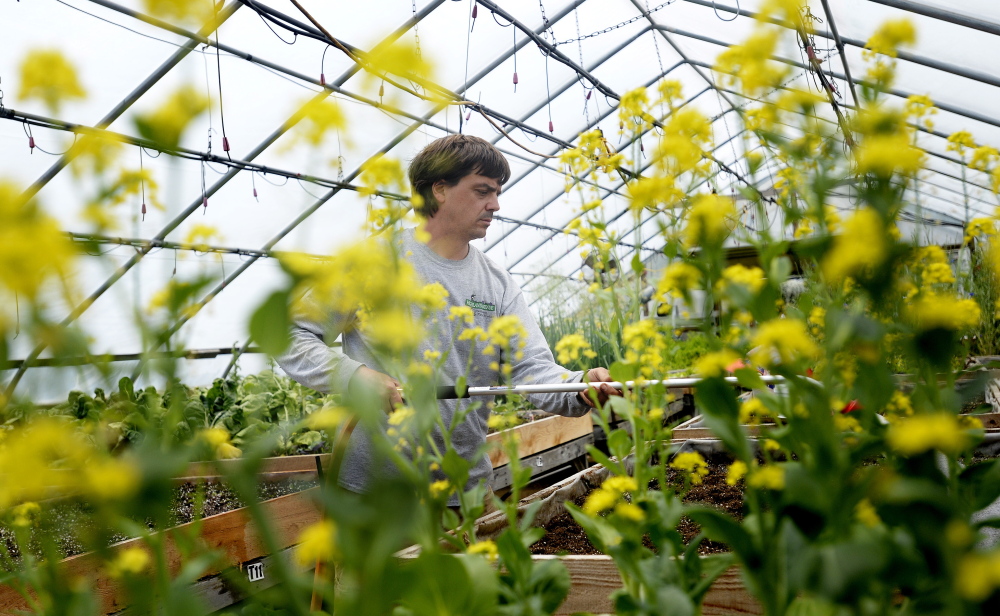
(458, 179)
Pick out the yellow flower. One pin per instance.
(653, 192)
(399, 57)
(932, 310)
(315, 119)
(218, 440)
(884, 155)
(979, 227)
(441, 488)
(182, 10)
(691, 463)
(959, 141)
(608, 494)
(865, 513)
(914, 435)
(899, 404)
(432, 296)
(463, 313)
(737, 470)
(632, 109)
(25, 514)
(631, 511)
(716, 363)
(984, 157)
(166, 124)
(33, 249)
(782, 341)
(708, 220)
(382, 173)
(750, 277)
(753, 412)
(770, 477)
(317, 543)
(111, 478)
(499, 422)
(47, 75)
(750, 64)
(473, 333)
(571, 347)
(845, 423)
(644, 346)
(200, 237)
(678, 278)
(487, 548)
(129, 561)
(326, 418)
(977, 575)
(503, 330)
(860, 246)
(890, 35)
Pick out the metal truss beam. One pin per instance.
(960, 71)
(128, 101)
(315, 206)
(82, 307)
(942, 15)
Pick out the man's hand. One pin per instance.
(370, 384)
(604, 391)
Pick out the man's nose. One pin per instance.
(493, 204)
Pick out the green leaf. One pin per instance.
(619, 443)
(980, 483)
(269, 324)
(599, 457)
(718, 526)
(749, 378)
(622, 372)
(781, 269)
(720, 411)
(460, 383)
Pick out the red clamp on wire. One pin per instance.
(475, 10)
(468, 116)
(551, 127)
(254, 193)
(31, 144)
(853, 405)
(515, 78)
(589, 92)
(810, 52)
(322, 79)
(204, 202)
(144, 211)
(225, 143)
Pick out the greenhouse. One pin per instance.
(483, 307)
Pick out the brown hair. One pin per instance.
(450, 159)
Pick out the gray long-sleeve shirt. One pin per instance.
(474, 281)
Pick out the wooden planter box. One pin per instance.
(232, 533)
(595, 577)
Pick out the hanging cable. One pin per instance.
(222, 111)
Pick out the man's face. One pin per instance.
(466, 209)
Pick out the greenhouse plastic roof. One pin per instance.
(572, 60)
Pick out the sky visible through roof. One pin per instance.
(266, 73)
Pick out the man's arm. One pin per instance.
(313, 363)
(539, 366)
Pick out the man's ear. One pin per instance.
(438, 190)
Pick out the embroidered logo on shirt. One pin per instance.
(476, 305)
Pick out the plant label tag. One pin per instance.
(255, 572)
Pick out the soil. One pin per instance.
(564, 536)
(66, 519)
